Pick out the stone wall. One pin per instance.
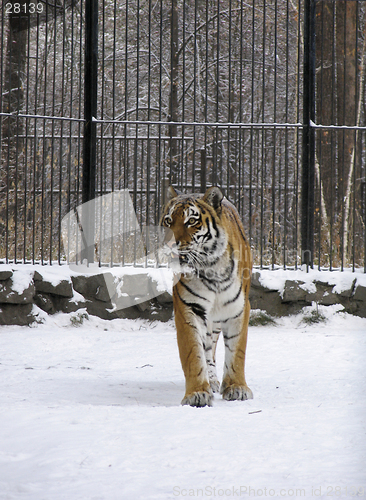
(289, 296)
(25, 290)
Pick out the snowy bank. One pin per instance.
(28, 291)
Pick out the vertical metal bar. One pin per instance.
(148, 159)
(72, 44)
(90, 111)
(90, 98)
(78, 191)
(194, 96)
(285, 218)
(308, 157)
(61, 139)
(263, 130)
(355, 151)
(26, 145)
(333, 143)
(252, 129)
(274, 136)
(183, 77)
(135, 169)
(100, 182)
(241, 176)
(296, 193)
(159, 144)
(319, 150)
(343, 133)
(230, 114)
(42, 176)
(174, 58)
(203, 169)
(53, 124)
(126, 159)
(206, 92)
(112, 221)
(218, 60)
(35, 147)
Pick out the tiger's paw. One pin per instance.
(236, 392)
(198, 399)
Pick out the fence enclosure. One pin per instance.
(264, 98)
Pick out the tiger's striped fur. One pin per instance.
(212, 294)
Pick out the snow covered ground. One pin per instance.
(90, 409)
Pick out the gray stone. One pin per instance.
(329, 298)
(268, 301)
(142, 306)
(324, 294)
(10, 296)
(16, 314)
(160, 312)
(64, 288)
(348, 293)
(103, 310)
(361, 309)
(123, 302)
(360, 293)
(293, 292)
(131, 313)
(44, 302)
(4, 275)
(164, 298)
(66, 305)
(95, 286)
(37, 276)
(137, 284)
(256, 295)
(137, 290)
(255, 283)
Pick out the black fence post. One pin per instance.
(308, 152)
(90, 111)
(203, 170)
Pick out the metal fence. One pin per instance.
(265, 98)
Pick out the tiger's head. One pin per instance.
(194, 230)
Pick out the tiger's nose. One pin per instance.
(173, 248)
(171, 243)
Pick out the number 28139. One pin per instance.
(23, 8)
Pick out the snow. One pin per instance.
(21, 280)
(23, 274)
(162, 276)
(275, 279)
(90, 410)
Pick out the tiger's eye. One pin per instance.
(168, 220)
(192, 221)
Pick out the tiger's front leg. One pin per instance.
(191, 330)
(234, 386)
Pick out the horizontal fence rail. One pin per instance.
(193, 94)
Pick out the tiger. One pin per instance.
(205, 233)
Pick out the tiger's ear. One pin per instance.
(213, 196)
(172, 193)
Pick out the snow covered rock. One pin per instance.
(62, 288)
(17, 289)
(147, 292)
